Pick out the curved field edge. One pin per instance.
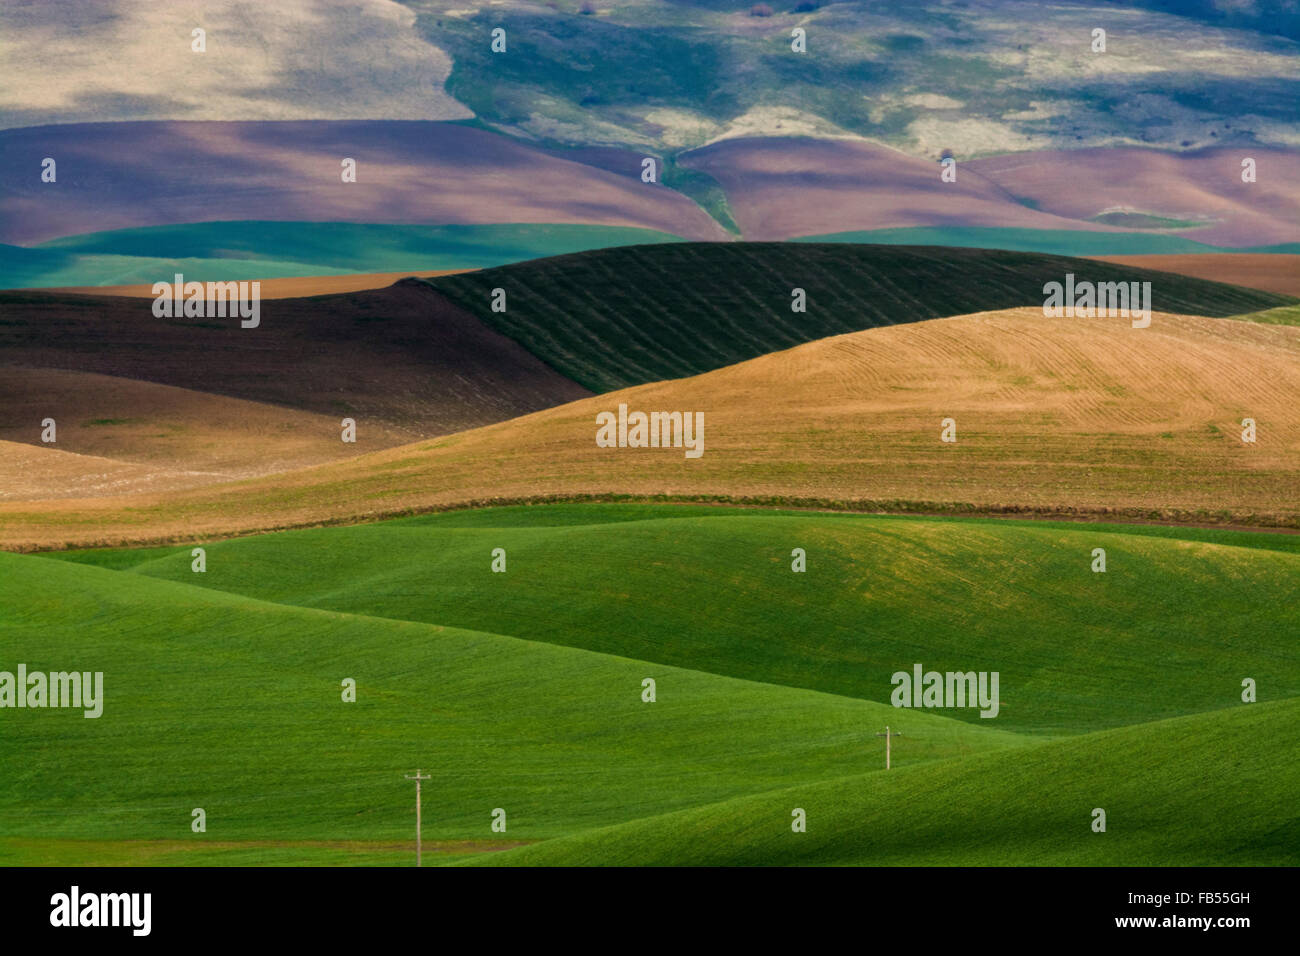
(1164, 631)
(583, 512)
(236, 250)
(1188, 518)
(233, 705)
(1282, 315)
(1052, 423)
(603, 318)
(1213, 789)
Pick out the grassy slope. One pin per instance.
(1214, 789)
(618, 317)
(708, 775)
(222, 251)
(1170, 629)
(1282, 315)
(231, 704)
(564, 515)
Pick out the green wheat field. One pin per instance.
(522, 691)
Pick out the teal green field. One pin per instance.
(522, 690)
(231, 251)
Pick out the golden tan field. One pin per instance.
(1084, 417)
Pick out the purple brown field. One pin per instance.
(779, 188)
(1272, 272)
(120, 435)
(1073, 417)
(1201, 186)
(153, 403)
(123, 175)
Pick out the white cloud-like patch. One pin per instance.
(68, 61)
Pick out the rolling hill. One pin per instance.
(662, 75)
(115, 176)
(1271, 273)
(120, 435)
(396, 358)
(627, 316)
(150, 404)
(406, 363)
(879, 594)
(1210, 790)
(231, 701)
(1064, 417)
(34, 472)
(1200, 193)
(520, 579)
(225, 251)
(234, 705)
(782, 187)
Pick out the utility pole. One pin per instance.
(888, 737)
(417, 778)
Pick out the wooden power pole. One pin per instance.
(888, 737)
(417, 778)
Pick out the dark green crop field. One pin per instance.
(618, 317)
